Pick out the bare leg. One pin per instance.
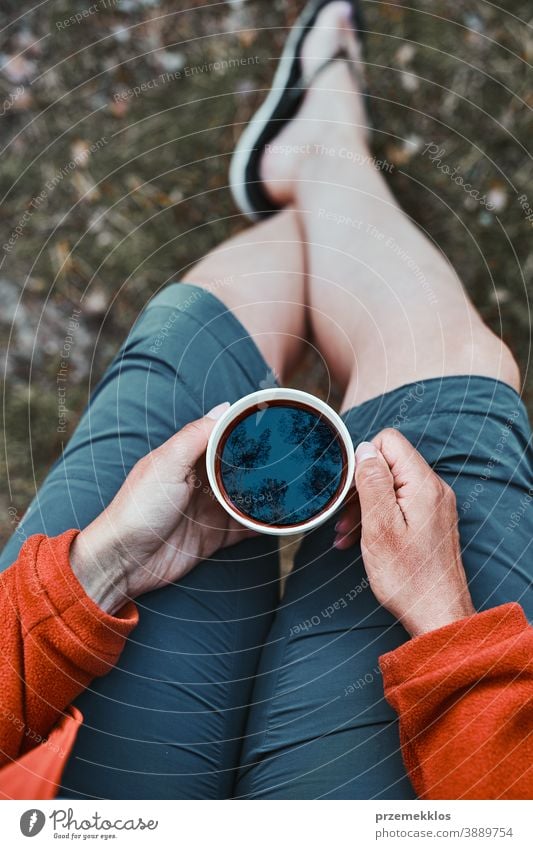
(259, 275)
(386, 307)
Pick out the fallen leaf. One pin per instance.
(85, 187)
(61, 258)
(170, 60)
(247, 37)
(500, 296)
(497, 197)
(118, 108)
(121, 34)
(400, 154)
(409, 81)
(405, 54)
(95, 303)
(17, 68)
(80, 152)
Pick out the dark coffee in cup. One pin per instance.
(280, 463)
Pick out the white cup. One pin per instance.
(264, 396)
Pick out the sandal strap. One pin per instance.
(295, 94)
(304, 83)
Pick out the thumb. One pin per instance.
(375, 485)
(190, 442)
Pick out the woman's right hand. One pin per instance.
(163, 521)
(409, 535)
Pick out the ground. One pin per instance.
(118, 118)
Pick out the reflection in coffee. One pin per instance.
(281, 464)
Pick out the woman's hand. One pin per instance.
(409, 535)
(162, 522)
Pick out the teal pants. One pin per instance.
(222, 690)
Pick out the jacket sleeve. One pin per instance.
(54, 641)
(464, 698)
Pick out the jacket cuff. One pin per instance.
(467, 637)
(62, 596)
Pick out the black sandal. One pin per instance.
(281, 105)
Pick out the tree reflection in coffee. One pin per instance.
(281, 464)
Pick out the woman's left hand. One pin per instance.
(162, 522)
(409, 535)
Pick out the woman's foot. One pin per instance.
(332, 115)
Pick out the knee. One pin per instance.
(510, 369)
(494, 357)
(480, 351)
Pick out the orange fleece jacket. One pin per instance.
(464, 693)
(54, 641)
(464, 697)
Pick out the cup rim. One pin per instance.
(280, 394)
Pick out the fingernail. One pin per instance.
(218, 411)
(365, 451)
